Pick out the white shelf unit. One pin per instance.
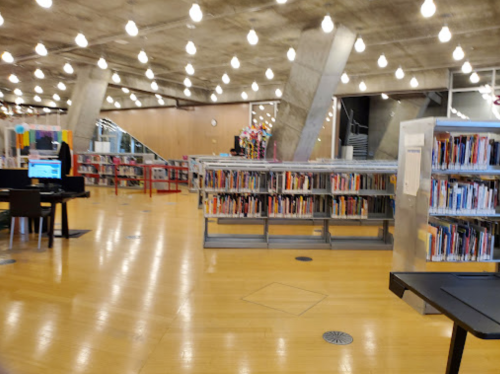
(324, 196)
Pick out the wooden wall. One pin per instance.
(173, 133)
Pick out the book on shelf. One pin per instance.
(297, 182)
(463, 196)
(349, 207)
(290, 206)
(272, 186)
(455, 240)
(352, 183)
(235, 206)
(232, 181)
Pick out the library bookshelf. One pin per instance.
(322, 194)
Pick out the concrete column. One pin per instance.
(88, 95)
(315, 74)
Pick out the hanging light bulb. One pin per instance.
(19, 101)
(384, 96)
(52, 104)
(125, 90)
(414, 82)
(187, 92)
(161, 102)
(261, 107)
(445, 34)
(362, 86)
(255, 86)
(187, 82)
(158, 96)
(458, 53)
(13, 78)
(189, 69)
(37, 98)
(138, 103)
(143, 57)
(7, 57)
(252, 37)
(235, 63)
(400, 74)
(69, 102)
(39, 90)
(102, 63)
(116, 78)
(117, 105)
(281, 1)
(269, 74)
(327, 25)
(68, 69)
(218, 89)
(150, 74)
(190, 48)
(46, 110)
(359, 46)
(131, 28)
(382, 61)
(41, 50)
(474, 78)
(428, 8)
(18, 92)
(244, 95)
(81, 40)
(213, 97)
(44, 3)
(110, 100)
(345, 78)
(56, 97)
(225, 79)
(154, 86)
(1, 19)
(133, 97)
(61, 86)
(278, 92)
(291, 54)
(466, 67)
(195, 13)
(39, 74)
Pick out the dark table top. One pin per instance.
(456, 296)
(51, 197)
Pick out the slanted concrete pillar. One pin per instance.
(315, 74)
(88, 95)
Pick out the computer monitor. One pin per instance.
(44, 169)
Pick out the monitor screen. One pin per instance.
(44, 169)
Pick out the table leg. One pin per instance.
(52, 221)
(65, 228)
(456, 349)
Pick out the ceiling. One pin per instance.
(393, 27)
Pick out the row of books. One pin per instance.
(461, 240)
(290, 206)
(130, 171)
(297, 182)
(235, 206)
(103, 159)
(349, 207)
(462, 152)
(352, 183)
(232, 180)
(452, 196)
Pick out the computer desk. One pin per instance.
(470, 300)
(54, 198)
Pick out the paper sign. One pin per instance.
(412, 171)
(414, 140)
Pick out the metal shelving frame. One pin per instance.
(325, 240)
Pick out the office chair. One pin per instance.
(26, 203)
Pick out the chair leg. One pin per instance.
(40, 233)
(12, 228)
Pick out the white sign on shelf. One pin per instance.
(412, 171)
(414, 140)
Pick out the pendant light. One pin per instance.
(195, 13)
(161, 101)
(133, 97)
(219, 90)
(235, 63)
(190, 48)
(68, 69)
(189, 69)
(125, 90)
(466, 67)
(187, 92)
(138, 103)
(291, 54)
(414, 82)
(39, 90)
(109, 99)
(382, 61)
(41, 50)
(359, 46)
(117, 105)
(400, 74)
(278, 92)
(81, 41)
(252, 37)
(281, 1)
(150, 74)
(46, 110)
(131, 28)
(269, 74)
(445, 34)
(39, 74)
(18, 92)
(13, 78)
(226, 79)
(154, 86)
(213, 97)
(384, 96)
(345, 78)
(69, 102)
(475, 78)
(362, 86)
(458, 53)
(428, 8)
(143, 57)
(44, 3)
(327, 24)
(116, 78)
(158, 96)
(102, 63)
(56, 97)
(19, 101)
(37, 98)
(1, 19)
(61, 86)
(7, 57)
(187, 82)
(244, 95)
(255, 86)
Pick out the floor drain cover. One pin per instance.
(337, 337)
(134, 237)
(7, 262)
(304, 259)
(124, 204)
(146, 211)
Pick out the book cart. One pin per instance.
(448, 202)
(289, 193)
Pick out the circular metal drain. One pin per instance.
(7, 262)
(337, 337)
(133, 237)
(303, 259)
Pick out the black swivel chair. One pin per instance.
(26, 203)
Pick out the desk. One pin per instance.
(470, 300)
(54, 199)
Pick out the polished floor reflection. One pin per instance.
(139, 294)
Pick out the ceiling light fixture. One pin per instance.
(133, 97)
(445, 34)
(138, 103)
(400, 74)
(384, 96)
(291, 54)
(61, 86)
(428, 8)
(37, 98)
(189, 69)
(39, 74)
(466, 67)
(131, 28)
(52, 104)
(187, 82)
(359, 46)
(39, 90)
(414, 82)
(161, 102)
(261, 107)
(235, 63)
(195, 13)
(7, 57)
(44, 3)
(68, 69)
(345, 78)
(117, 105)
(125, 90)
(255, 86)
(13, 78)
(218, 89)
(150, 74)
(116, 78)
(81, 41)
(154, 86)
(281, 1)
(382, 61)
(102, 63)
(187, 92)
(19, 101)
(278, 92)
(190, 48)
(110, 100)
(213, 97)
(1, 19)
(69, 102)
(327, 24)
(158, 96)
(142, 57)
(46, 110)
(269, 74)
(226, 79)
(18, 92)
(252, 37)
(458, 53)
(244, 95)
(41, 50)
(475, 78)
(362, 86)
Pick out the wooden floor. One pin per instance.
(159, 303)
